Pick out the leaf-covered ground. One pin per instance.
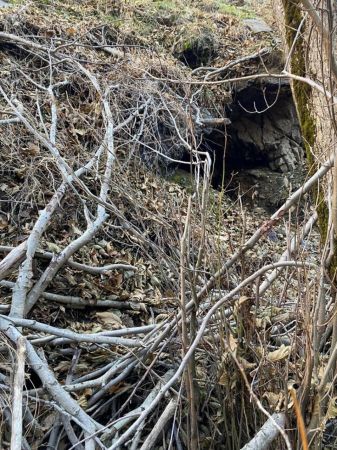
(59, 64)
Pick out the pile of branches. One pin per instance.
(130, 315)
(84, 225)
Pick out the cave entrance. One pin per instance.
(261, 151)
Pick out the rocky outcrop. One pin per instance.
(272, 137)
(265, 128)
(264, 151)
(265, 188)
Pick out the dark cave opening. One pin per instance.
(261, 151)
(259, 155)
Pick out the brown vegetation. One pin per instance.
(136, 311)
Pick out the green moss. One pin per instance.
(303, 99)
(165, 5)
(197, 47)
(302, 91)
(237, 11)
(187, 45)
(183, 178)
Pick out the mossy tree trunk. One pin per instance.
(293, 15)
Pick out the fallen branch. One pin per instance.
(267, 434)
(47, 377)
(7, 37)
(185, 361)
(9, 121)
(76, 265)
(76, 337)
(79, 302)
(122, 422)
(93, 227)
(11, 261)
(19, 379)
(160, 425)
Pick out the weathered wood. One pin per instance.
(12, 260)
(19, 379)
(267, 434)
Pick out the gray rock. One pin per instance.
(257, 25)
(267, 189)
(273, 137)
(4, 4)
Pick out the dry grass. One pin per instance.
(262, 337)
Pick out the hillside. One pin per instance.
(160, 262)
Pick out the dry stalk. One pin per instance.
(17, 408)
(189, 376)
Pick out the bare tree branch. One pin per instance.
(267, 434)
(19, 378)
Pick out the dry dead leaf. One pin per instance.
(109, 318)
(274, 400)
(232, 343)
(71, 31)
(224, 378)
(62, 366)
(281, 353)
(246, 364)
